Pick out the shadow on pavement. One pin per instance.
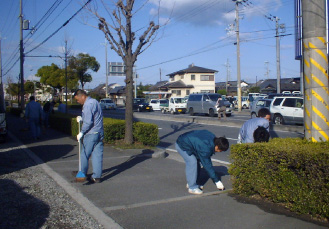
(176, 128)
(52, 152)
(274, 208)
(19, 209)
(204, 177)
(131, 162)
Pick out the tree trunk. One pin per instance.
(129, 104)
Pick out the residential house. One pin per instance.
(231, 86)
(101, 89)
(287, 84)
(118, 95)
(193, 79)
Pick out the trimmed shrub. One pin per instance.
(290, 171)
(65, 123)
(15, 111)
(114, 129)
(146, 133)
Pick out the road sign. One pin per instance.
(116, 69)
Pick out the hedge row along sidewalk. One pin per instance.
(114, 129)
(293, 172)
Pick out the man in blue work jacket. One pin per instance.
(33, 114)
(91, 134)
(198, 146)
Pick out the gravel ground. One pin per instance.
(29, 198)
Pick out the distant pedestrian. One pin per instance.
(197, 147)
(91, 134)
(221, 108)
(61, 107)
(33, 114)
(246, 134)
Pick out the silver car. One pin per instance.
(205, 103)
(259, 104)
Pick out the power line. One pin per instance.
(62, 26)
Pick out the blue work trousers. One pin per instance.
(34, 124)
(192, 168)
(92, 145)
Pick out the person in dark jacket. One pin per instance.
(197, 147)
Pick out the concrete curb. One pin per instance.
(199, 120)
(87, 205)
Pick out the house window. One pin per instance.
(182, 77)
(178, 92)
(192, 77)
(187, 92)
(207, 78)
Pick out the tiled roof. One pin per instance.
(156, 86)
(176, 84)
(192, 69)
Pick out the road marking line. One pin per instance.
(164, 201)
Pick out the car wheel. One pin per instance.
(163, 111)
(253, 115)
(228, 115)
(191, 111)
(211, 113)
(172, 112)
(278, 119)
(244, 106)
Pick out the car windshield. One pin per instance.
(180, 100)
(108, 101)
(213, 97)
(163, 101)
(138, 101)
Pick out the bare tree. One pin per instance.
(121, 38)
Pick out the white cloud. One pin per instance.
(211, 12)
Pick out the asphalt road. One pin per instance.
(170, 130)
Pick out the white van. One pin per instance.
(107, 104)
(176, 105)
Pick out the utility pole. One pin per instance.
(2, 97)
(316, 93)
(106, 70)
(227, 65)
(238, 52)
(278, 70)
(267, 73)
(160, 73)
(21, 52)
(66, 110)
(136, 76)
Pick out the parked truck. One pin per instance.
(176, 105)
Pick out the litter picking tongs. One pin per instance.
(80, 175)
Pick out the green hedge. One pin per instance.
(114, 129)
(15, 111)
(66, 123)
(290, 171)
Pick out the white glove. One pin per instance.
(79, 136)
(219, 185)
(79, 119)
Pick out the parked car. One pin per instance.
(259, 104)
(140, 105)
(205, 103)
(107, 104)
(244, 102)
(176, 105)
(287, 109)
(158, 104)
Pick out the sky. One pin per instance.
(200, 32)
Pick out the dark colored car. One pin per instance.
(141, 105)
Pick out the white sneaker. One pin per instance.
(195, 191)
(200, 187)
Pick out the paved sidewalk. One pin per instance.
(139, 191)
